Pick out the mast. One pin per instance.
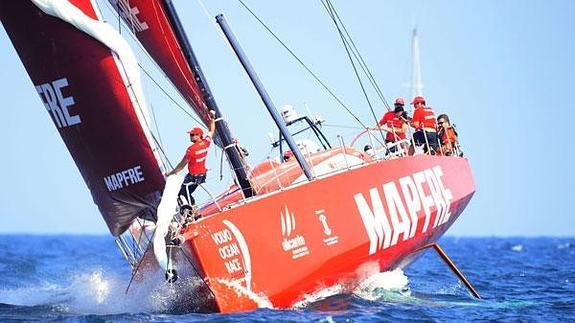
(416, 85)
(264, 95)
(223, 131)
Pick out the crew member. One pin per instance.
(195, 158)
(447, 135)
(394, 121)
(369, 150)
(288, 155)
(425, 126)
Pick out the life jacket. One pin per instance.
(196, 156)
(391, 120)
(426, 119)
(448, 140)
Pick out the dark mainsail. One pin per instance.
(91, 93)
(148, 21)
(156, 25)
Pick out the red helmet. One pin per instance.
(418, 99)
(288, 154)
(399, 101)
(196, 131)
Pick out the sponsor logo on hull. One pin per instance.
(327, 231)
(233, 250)
(291, 241)
(385, 222)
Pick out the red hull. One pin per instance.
(290, 243)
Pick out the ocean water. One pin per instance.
(83, 279)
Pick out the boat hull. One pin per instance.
(275, 249)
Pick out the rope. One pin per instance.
(341, 126)
(135, 39)
(222, 165)
(170, 97)
(325, 87)
(362, 62)
(331, 11)
(157, 142)
(156, 124)
(140, 262)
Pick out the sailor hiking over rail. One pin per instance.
(195, 159)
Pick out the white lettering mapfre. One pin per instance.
(124, 178)
(130, 15)
(387, 217)
(57, 104)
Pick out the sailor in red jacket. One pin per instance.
(425, 126)
(195, 158)
(394, 123)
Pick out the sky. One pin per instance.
(502, 70)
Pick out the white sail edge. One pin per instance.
(124, 57)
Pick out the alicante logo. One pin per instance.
(291, 241)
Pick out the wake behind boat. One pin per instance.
(329, 217)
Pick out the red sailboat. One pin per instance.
(284, 229)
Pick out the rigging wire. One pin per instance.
(157, 141)
(341, 126)
(362, 62)
(137, 42)
(135, 270)
(222, 165)
(347, 50)
(325, 87)
(330, 9)
(169, 96)
(156, 124)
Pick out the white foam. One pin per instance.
(260, 299)
(102, 293)
(321, 293)
(517, 248)
(564, 245)
(371, 287)
(94, 292)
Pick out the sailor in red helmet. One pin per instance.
(288, 155)
(425, 126)
(195, 158)
(395, 123)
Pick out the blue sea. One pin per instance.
(84, 278)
